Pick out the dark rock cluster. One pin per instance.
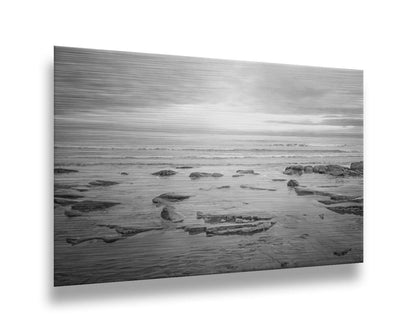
(93, 205)
(228, 224)
(356, 169)
(169, 213)
(196, 175)
(102, 183)
(164, 173)
(247, 172)
(292, 183)
(170, 197)
(63, 170)
(334, 199)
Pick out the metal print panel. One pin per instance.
(175, 166)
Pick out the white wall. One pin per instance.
(378, 37)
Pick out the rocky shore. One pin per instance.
(335, 201)
(355, 169)
(196, 175)
(76, 205)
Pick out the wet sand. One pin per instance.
(305, 233)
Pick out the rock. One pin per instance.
(91, 205)
(124, 173)
(356, 210)
(195, 175)
(334, 199)
(279, 180)
(320, 169)
(354, 173)
(294, 170)
(334, 170)
(337, 170)
(226, 218)
(304, 236)
(235, 176)
(284, 264)
(296, 167)
(291, 172)
(78, 188)
(322, 216)
(76, 241)
(357, 200)
(218, 188)
(171, 197)
(247, 172)
(338, 197)
(195, 229)
(342, 253)
(123, 232)
(308, 169)
(129, 231)
(102, 183)
(63, 186)
(330, 202)
(257, 188)
(62, 170)
(72, 213)
(164, 173)
(304, 191)
(169, 213)
(64, 202)
(239, 229)
(184, 167)
(71, 187)
(69, 196)
(357, 166)
(159, 201)
(292, 183)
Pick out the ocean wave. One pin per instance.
(215, 157)
(204, 149)
(197, 165)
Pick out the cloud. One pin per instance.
(358, 122)
(92, 79)
(106, 90)
(340, 121)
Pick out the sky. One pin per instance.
(121, 91)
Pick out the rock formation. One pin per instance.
(164, 173)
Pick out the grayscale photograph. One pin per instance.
(172, 166)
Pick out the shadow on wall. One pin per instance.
(231, 282)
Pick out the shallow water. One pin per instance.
(300, 237)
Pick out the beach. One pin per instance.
(302, 231)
